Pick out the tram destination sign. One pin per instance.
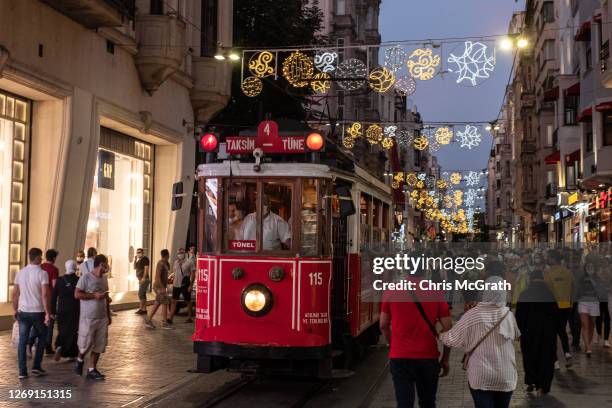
(267, 139)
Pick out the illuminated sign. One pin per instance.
(267, 139)
(601, 200)
(573, 198)
(106, 169)
(241, 245)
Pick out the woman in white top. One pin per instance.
(491, 369)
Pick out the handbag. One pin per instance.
(466, 357)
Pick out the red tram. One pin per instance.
(278, 274)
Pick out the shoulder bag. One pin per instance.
(466, 357)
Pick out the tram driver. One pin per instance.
(276, 231)
(235, 220)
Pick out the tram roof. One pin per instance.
(267, 170)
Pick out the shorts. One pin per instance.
(161, 296)
(590, 308)
(142, 290)
(93, 335)
(176, 293)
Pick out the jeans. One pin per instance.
(491, 399)
(410, 373)
(49, 335)
(564, 315)
(27, 321)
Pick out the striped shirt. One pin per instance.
(492, 366)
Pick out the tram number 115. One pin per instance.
(316, 278)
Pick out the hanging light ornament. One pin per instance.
(381, 79)
(444, 135)
(455, 178)
(374, 134)
(326, 61)
(473, 64)
(387, 143)
(411, 179)
(348, 142)
(390, 131)
(405, 137)
(260, 64)
(405, 86)
(355, 130)
(441, 183)
(395, 58)
(351, 74)
(251, 86)
(420, 143)
(399, 177)
(470, 137)
(298, 69)
(321, 83)
(422, 64)
(395, 185)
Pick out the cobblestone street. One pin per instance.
(586, 384)
(140, 366)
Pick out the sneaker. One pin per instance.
(557, 366)
(607, 344)
(167, 326)
(149, 324)
(95, 375)
(568, 356)
(58, 353)
(23, 376)
(39, 372)
(189, 320)
(140, 312)
(79, 367)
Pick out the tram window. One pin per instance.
(308, 245)
(210, 211)
(241, 200)
(276, 213)
(376, 209)
(365, 203)
(385, 222)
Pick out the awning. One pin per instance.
(573, 157)
(551, 95)
(584, 32)
(604, 106)
(553, 158)
(573, 90)
(585, 115)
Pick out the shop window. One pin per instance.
(589, 138)
(588, 55)
(607, 128)
(571, 110)
(14, 138)
(548, 11)
(120, 212)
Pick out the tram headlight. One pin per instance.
(256, 300)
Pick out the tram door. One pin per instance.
(341, 210)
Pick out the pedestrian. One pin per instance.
(65, 308)
(184, 275)
(31, 299)
(561, 283)
(408, 320)
(487, 333)
(49, 267)
(160, 287)
(141, 266)
(88, 264)
(537, 314)
(588, 301)
(94, 319)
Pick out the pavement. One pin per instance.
(141, 366)
(587, 384)
(148, 368)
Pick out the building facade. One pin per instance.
(98, 102)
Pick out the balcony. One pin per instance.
(96, 13)
(212, 87)
(161, 48)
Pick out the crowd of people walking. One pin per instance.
(78, 304)
(553, 290)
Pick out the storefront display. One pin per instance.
(120, 209)
(14, 135)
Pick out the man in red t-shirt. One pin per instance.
(49, 267)
(414, 348)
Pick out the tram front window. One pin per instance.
(276, 214)
(241, 200)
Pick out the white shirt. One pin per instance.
(87, 266)
(275, 230)
(492, 366)
(30, 281)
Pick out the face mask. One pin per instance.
(80, 259)
(181, 256)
